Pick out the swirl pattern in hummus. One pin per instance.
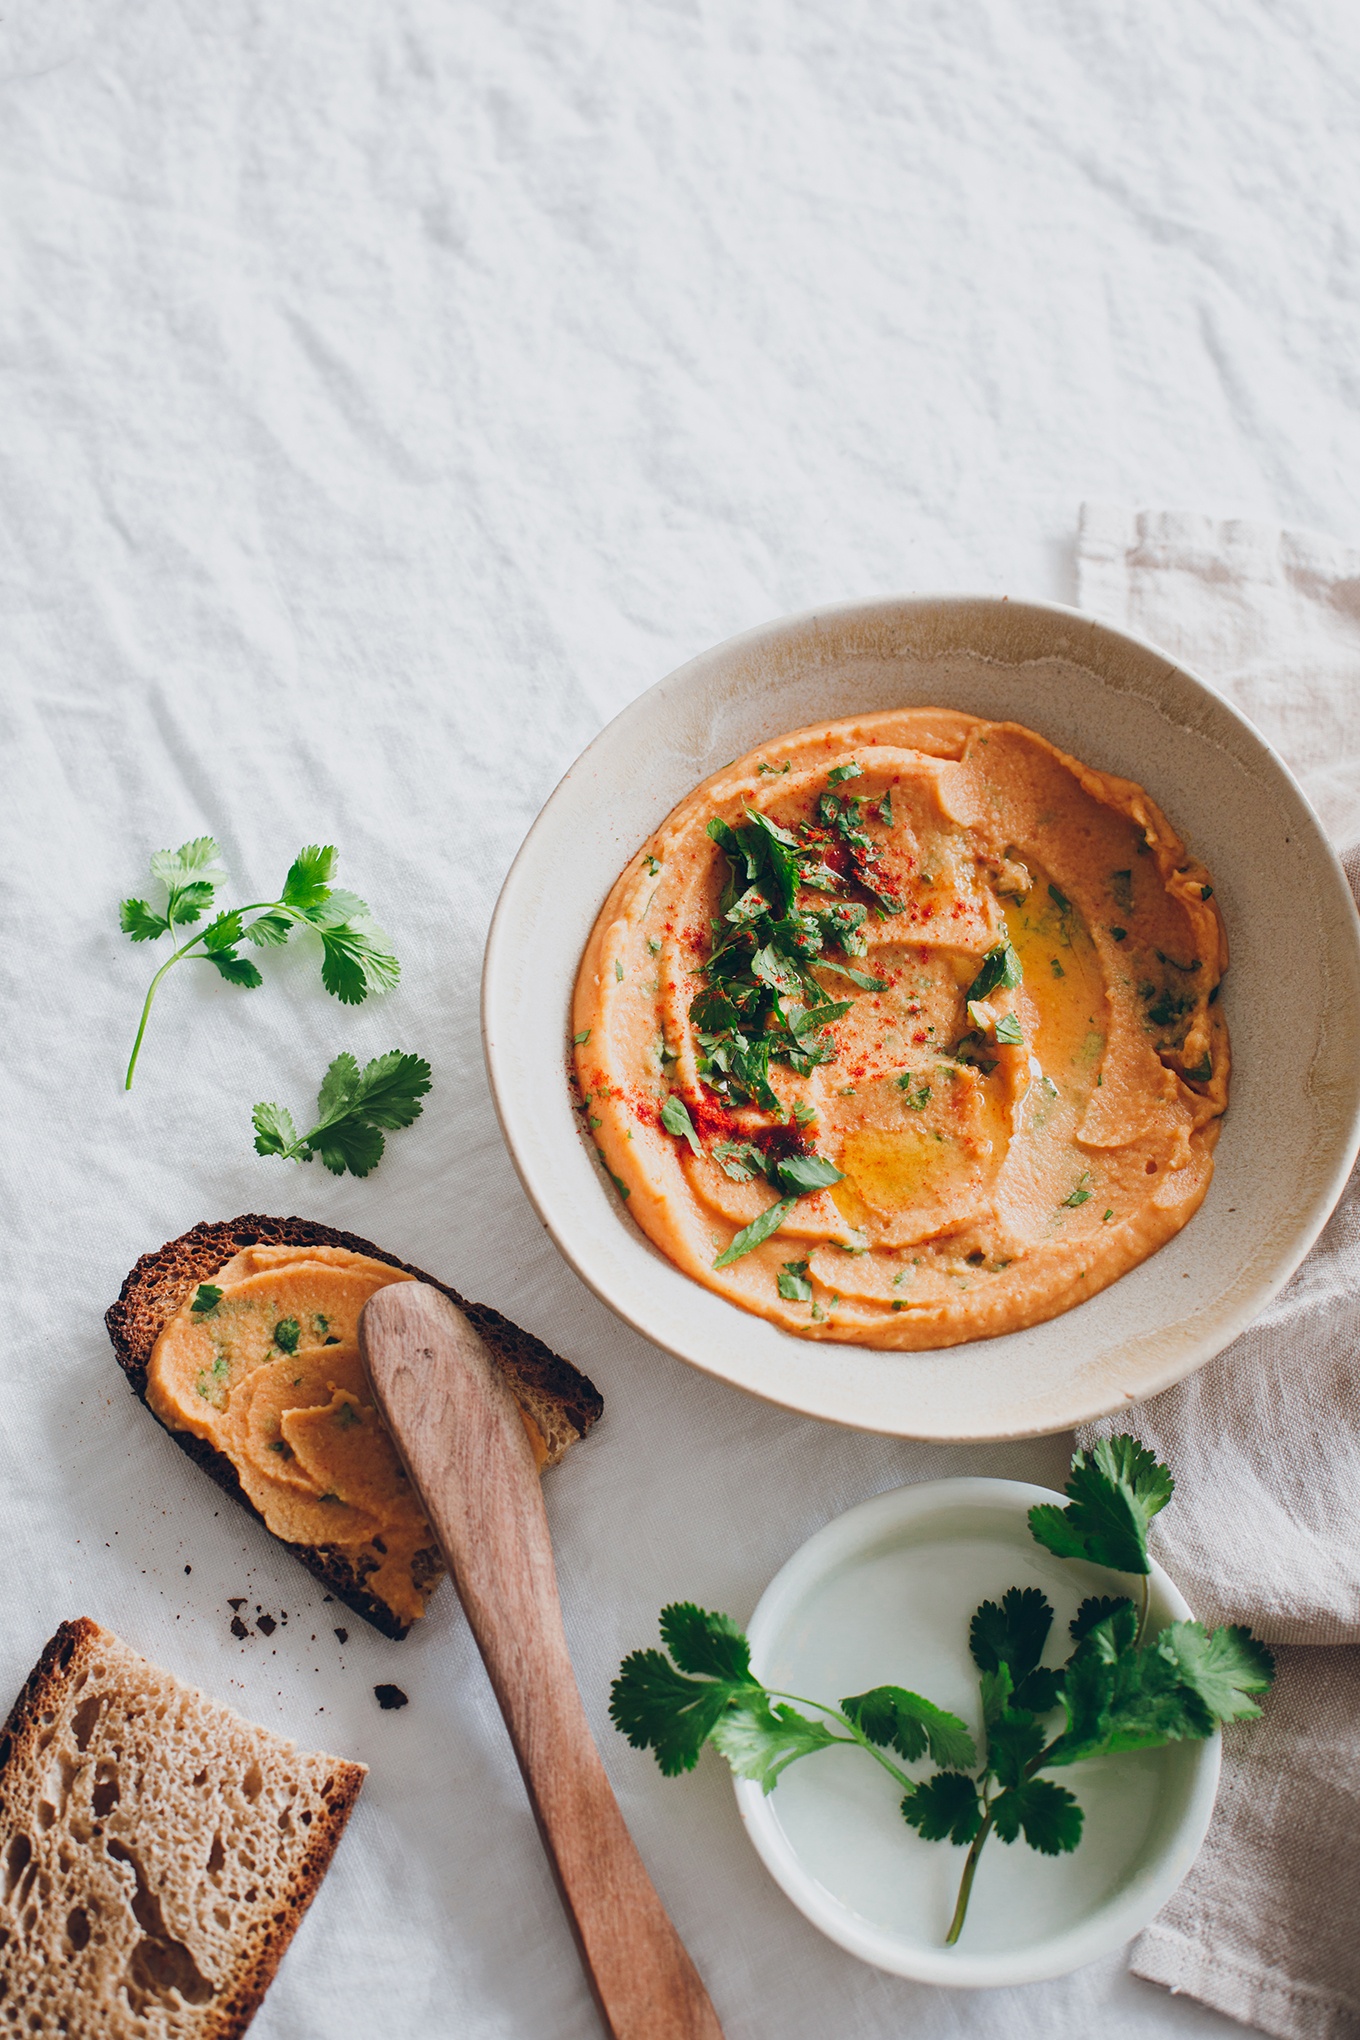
(1021, 1108)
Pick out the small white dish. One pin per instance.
(884, 1596)
(1291, 998)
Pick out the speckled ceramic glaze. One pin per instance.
(1291, 997)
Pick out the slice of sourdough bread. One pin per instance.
(563, 1403)
(156, 1851)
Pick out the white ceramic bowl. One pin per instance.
(883, 1596)
(1292, 999)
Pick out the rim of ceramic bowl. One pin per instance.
(1116, 1355)
(856, 1535)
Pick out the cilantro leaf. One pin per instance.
(701, 1640)
(856, 977)
(1013, 1741)
(389, 1088)
(739, 1159)
(1222, 1667)
(237, 970)
(1008, 1030)
(850, 770)
(308, 882)
(659, 1709)
(1095, 1610)
(269, 931)
(910, 1725)
(757, 1232)
(802, 1175)
(1040, 1691)
(206, 1298)
(353, 1106)
(352, 1145)
(1048, 1814)
(1013, 1633)
(356, 958)
(339, 1086)
(794, 1285)
(136, 919)
(194, 869)
(222, 933)
(944, 1808)
(675, 1118)
(1119, 1697)
(760, 1741)
(995, 1688)
(1000, 966)
(275, 1133)
(1115, 1491)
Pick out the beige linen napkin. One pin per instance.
(1265, 1441)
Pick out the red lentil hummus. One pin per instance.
(904, 1031)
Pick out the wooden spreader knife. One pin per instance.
(462, 1440)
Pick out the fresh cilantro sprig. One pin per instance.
(1115, 1692)
(354, 1106)
(722, 1702)
(356, 958)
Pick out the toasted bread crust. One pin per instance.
(74, 1648)
(562, 1402)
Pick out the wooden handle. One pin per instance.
(463, 1443)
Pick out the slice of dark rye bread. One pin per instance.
(156, 1850)
(562, 1403)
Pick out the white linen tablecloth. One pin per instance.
(390, 394)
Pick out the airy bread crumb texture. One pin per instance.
(156, 1851)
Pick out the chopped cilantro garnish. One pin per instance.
(794, 1285)
(1206, 892)
(617, 1181)
(580, 1040)
(915, 1101)
(838, 773)
(1060, 900)
(1000, 967)
(1056, 967)
(804, 1174)
(675, 1118)
(206, 1299)
(618, 970)
(739, 1159)
(1080, 1194)
(1008, 1029)
(803, 1113)
(652, 867)
(757, 1232)
(286, 1334)
(1119, 934)
(1108, 1216)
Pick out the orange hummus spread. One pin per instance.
(904, 1031)
(263, 1363)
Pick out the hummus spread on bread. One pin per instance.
(903, 1030)
(263, 1363)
